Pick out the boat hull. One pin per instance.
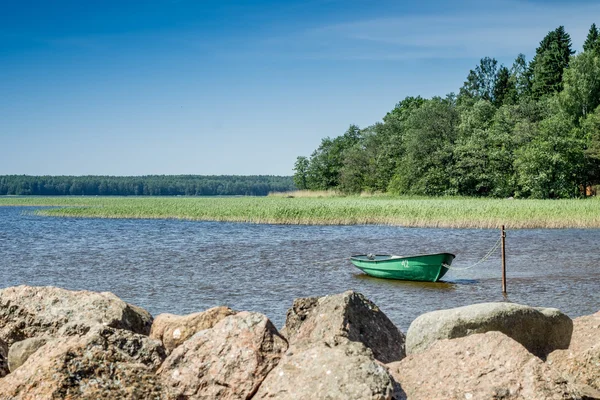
(427, 267)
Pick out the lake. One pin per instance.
(182, 267)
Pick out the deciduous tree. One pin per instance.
(301, 173)
(581, 94)
(430, 137)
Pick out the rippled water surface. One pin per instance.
(182, 267)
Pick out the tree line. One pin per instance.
(528, 130)
(151, 185)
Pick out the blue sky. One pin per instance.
(235, 87)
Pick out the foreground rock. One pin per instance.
(332, 319)
(539, 330)
(586, 333)
(173, 330)
(82, 345)
(20, 351)
(227, 361)
(105, 363)
(27, 312)
(346, 371)
(580, 363)
(480, 366)
(3, 359)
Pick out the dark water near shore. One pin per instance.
(182, 267)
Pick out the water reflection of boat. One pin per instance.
(425, 267)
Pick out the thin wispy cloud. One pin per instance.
(500, 29)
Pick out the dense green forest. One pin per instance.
(151, 185)
(528, 130)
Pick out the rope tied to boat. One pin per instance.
(485, 258)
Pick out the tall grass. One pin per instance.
(385, 210)
(307, 193)
(317, 193)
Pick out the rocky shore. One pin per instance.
(60, 344)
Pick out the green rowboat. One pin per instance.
(426, 267)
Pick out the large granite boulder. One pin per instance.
(580, 363)
(346, 371)
(586, 333)
(105, 363)
(27, 312)
(539, 330)
(228, 361)
(349, 315)
(481, 366)
(19, 352)
(173, 330)
(3, 359)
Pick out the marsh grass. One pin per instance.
(318, 193)
(351, 210)
(307, 193)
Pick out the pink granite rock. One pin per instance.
(3, 359)
(105, 363)
(27, 312)
(345, 371)
(480, 366)
(173, 330)
(349, 315)
(228, 361)
(580, 363)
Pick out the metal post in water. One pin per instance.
(503, 237)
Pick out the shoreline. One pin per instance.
(458, 213)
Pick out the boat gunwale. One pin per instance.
(395, 257)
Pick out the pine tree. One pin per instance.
(592, 42)
(551, 58)
(521, 77)
(504, 89)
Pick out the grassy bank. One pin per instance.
(429, 212)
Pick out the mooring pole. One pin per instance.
(503, 237)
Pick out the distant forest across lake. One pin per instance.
(149, 185)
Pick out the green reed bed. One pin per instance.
(422, 212)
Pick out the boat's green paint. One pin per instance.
(426, 267)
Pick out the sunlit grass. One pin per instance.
(385, 210)
(307, 193)
(318, 193)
